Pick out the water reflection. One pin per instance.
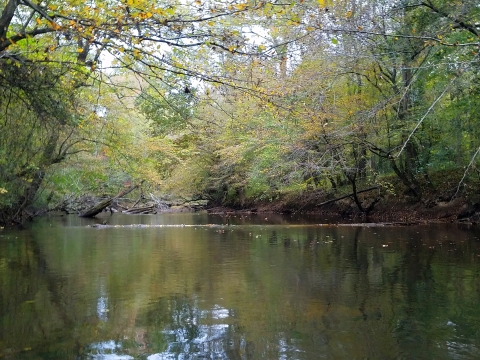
(107, 350)
(102, 305)
(239, 291)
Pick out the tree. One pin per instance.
(40, 118)
(364, 83)
(322, 90)
(49, 53)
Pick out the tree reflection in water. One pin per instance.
(181, 329)
(240, 292)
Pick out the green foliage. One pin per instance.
(321, 95)
(37, 104)
(169, 107)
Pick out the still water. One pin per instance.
(191, 286)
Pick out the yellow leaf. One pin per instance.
(267, 9)
(54, 25)
(241, 6)
(80, 50)
(349, 14)
(39, 22)
(322, 3)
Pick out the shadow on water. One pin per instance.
(257, 288)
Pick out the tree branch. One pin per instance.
(465, 173)
(425, 115)
(459, 23)
(37, 9)
(17, 37)
(6, 18)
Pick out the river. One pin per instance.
(200, 286)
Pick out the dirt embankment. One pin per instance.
(442, 199)
(378, 206)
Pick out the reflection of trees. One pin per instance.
(420, 304)
(179, 328)
(38, 295)
(371, 282)
(291, 292)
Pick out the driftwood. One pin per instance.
(349, 195)
(151, 209)
(161, 205)
(94, 210)
(138, 200)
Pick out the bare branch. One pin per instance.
(424, 116)
(465, 173)
(37, 9)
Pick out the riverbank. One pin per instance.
(442, 200)
(387, 201)
(383, 208)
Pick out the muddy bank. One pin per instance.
(372, 204)
(377, 206)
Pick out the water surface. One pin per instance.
(198, 286)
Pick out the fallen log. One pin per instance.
(96, 209)
(349, 195)
(150, 209)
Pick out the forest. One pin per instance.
(243, 103)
